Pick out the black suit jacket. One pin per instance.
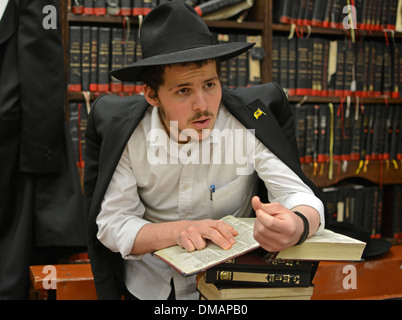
(34, 141)
(113, 120)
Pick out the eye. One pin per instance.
(182, 91)
(210, 85)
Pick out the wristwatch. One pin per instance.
(306, 228)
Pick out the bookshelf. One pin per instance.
(260, 20)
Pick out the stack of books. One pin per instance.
(252, 276)
(248, 272)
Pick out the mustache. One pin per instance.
(199, 115)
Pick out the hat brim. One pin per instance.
(224, 51)
(374, 247)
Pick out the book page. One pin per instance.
(189, 263)
(328, 236)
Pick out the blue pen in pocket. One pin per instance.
(211, 191)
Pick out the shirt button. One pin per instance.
(185, 187)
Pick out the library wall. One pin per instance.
(340, 66)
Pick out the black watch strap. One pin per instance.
(306, 228)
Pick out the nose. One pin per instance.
(200, 102)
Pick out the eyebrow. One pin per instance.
(187, 84)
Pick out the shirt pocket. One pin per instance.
(228, 198)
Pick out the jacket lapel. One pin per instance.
(256, 115)
(113, 144)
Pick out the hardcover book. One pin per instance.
(210, 291)
(327, 245)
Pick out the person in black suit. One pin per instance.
(142, 196)
(41, 203)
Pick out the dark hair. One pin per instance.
(153, 76)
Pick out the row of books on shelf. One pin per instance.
(372, 208)
(141, 7)
(94, 51)
(322, 67)
(365, 15)
(345, 132)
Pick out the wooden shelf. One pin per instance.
(335, 32)
(379, 172)
(318, 99)
(228, 24)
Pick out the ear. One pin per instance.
(150, 95)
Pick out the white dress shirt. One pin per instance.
(159, 180)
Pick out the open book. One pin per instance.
(326, 246)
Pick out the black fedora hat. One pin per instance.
(175, 33)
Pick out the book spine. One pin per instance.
(300, 14)
(378, 74)
(129, 58)
(138, 8)
(207, 7)
(303, 65)
(86, 57)
(308, 13)
(104, 59)
(100, 7)
(113, 7)
(224, 76)
(282, 11)
(392, 15)
(284, 63)
(275, 60)
(323, 147)
(82, 126)
(338, 135)
(318, 67)
(242, 64)
(270, 279)
(116, 58)
(359, 67)
(292, 67)
(300, 119)
(347, 134)
(318, 13)
(254, 63)
(75, 44)
(308, 158)
(73, 126)
(357, 127)
(138, 57)
(126, 7)
(77, 7)
(147, 7)
(340, 69)
(349, 81)
(88, 7)
(93, 77)
(233, 64)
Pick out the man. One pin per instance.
(162, 187)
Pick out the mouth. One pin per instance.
(201, 123)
